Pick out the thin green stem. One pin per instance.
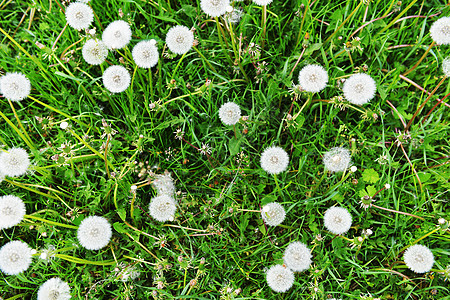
(204, 59)
(51, 222)
(20, 124)
(178, 65)
(419, 239)
(420, 60)
(84, 261)
(24, 138)
(343, 23)
(301, 24)
(263, 25)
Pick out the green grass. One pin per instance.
(236, 246)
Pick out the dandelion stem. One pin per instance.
(431, 110)
(84, 261)
(419, 239)
(318, 183)
(420, 60)
(17, 130)
(187, 228)
(106, 155)
(263, 25)
(343, 23)
(249, 210)
(236, 53)
(204, 58)
(398, 114)
(178, 65)
(396, 211)
(59, 36)
(302, 23)
(298, 60)
(20, 124)
(51, 222)
(414, 170)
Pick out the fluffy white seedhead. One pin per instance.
(12, 211)
(338, 159)
(359, 88)
(229, 113)
(214, 8)
(15, 257)
(94, 52)
(116, 79)
(273, 214)
(163, 208)
(337, 220)
(15, 86)
(79, 15)
(297, 257)
(145, 54)
(117, 35)
(14, 162)
(94, 233)
(274, 160)
(164, 185)
(313, 78)
(262, 2)
(54, 289)
(179, 39)
(440, 31)
(234, 16)
(279, 278)
(419, 258)
(446, 66)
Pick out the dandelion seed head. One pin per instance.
(214, 8)
(94, 52)
(94, 233)
(279, 278)
(337, 220)
(274, 160)
(15, 86)
(179, 39)
(262, 2)
(337, 159)
(440, 31)
(359, 88)
(116, 79)
(117, 35)
(145, 54)
(313, 78)
(163, 208)
(14, 162)
(446, 66)
(229, 113)
(273, 214)
(297, 257)
(54, 289)
(12, 211)
(15, 257)
(79, 15)
(419, 258)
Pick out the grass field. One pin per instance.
(96, 153)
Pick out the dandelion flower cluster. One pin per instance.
(54, 289)
(15, 86)
(12, 211)
(419, 258)
(79, 15)
(337, 220)
(15, 257)
(94, 52)
(262, 2)
(117, 35)
(163, 208)
(94, 233)
(229, 113)
(116, 79)
(214, 8)
(179, 39)
(297, 257)
(145, 54)
(313, 78)
(164, 185)
(440, 31)
(279, 278)
(14, 162)
(359, 88)
(446, 66)
(337, 159)
(274, 160)
(273, 214)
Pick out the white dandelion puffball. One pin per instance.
(12, 211)
(440, 31)
(359, 88)
(262, 2)
(15, 257)
(214, 8)
(313, 78)
(229, 113)
(274, 160)
(94, 52)
(14, 162)
(116, 79)
(163, 208)
(337, 220)
(279, 278)
(117, 35)
(297, 257)
(79, 15)
(94, 233)
(54, 289)
(164, 185)
(273, 214)
(338, 159)
(15, 86)
(446, 66)
(179, 39)
(145, 54)
(419, 258)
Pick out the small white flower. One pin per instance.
(163, 208)
(419, 258)
(14, 162)
(297, 257)
(229, 113)
(116, 79)
(274, 160)
(12, 211)
(94, 233)
(54, 289)
(359, 88)
(15, 257)
(337, 220)
(279, 278)
(446, 66)
(337, 159)
(79, 15)
(215, 8)
(64, 125)
(15, 86)
(313, 78)
(117, 35)
(94, 51)
(179, 39)
(273, 214)
(164, 185)
(440, 31)
(353, 169)
(262, 2)
(145, 54)
(387, 186)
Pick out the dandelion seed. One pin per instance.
(179, 39)
(94, 52)
(229, 113)
(419, 258)
(12, 211)
(274, 160)
(273, 214)
(234, 16)
(359, 88)
(163, 208)
(279, 278)
(440, 31)
(54, 289)
(15, 257)
(446, 66)
(262, 2)
(297, 257)
(313, 78)
(164, 185)
(214, 8)
(337, 159)
(15, 86)
(337, 220)
(14, 162)
(116, 79)
(145, 54)
(117, 35)
(79, 15)
(94, 233)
